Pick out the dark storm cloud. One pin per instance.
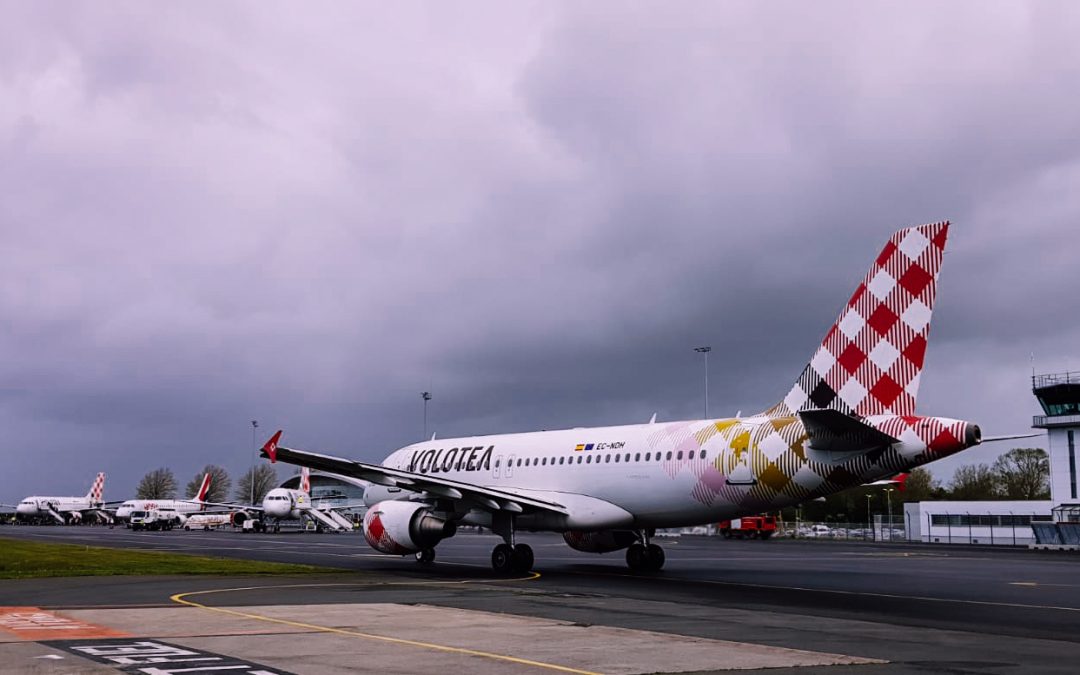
(534, 212)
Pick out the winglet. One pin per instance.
(270, 449)
(901, 481)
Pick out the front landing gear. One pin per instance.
(425, 556)
(643, 556)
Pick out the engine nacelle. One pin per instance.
(237, 518)
(400, 527)
(604, 541)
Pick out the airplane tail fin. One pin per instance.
(305, 480)
(204, 489)
(870, 360)
(97, 489)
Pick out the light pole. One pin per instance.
(705, 351)
(254, 441)
(869, 522)
(426, 395)
(888, 496)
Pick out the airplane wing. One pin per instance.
(222, 507)
(899, 480)
(489, 499)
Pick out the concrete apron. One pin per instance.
(390, 638)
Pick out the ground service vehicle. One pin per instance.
(208, 521)
(156, 519)
(749, 527)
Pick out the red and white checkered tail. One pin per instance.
(870, 361)
(97, 489)
(305, 480)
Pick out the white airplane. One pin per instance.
(182, 507)
(282, 504)
(66, 509)
(848, 419)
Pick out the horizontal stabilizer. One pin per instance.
(833, 431)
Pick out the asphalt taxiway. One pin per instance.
(717, 605)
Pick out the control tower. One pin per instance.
(1059, 396)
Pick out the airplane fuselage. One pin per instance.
(123, 512)
(39, 506)
(286, 504)
(673, 474)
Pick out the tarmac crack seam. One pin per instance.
(181, 598)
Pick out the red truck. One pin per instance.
(751, 527)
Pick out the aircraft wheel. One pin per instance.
(522, 558)
(635, 557)
(654, 558)
(502, 558)
(277, 528)
(425, 556)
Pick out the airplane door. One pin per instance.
(741, 473)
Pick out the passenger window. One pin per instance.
(519, 461)
(579, 459)
(648, 455)
(588, 459)
(637, 457)
(669, 454)
(607, 458)
(562, 460)
(703, 454)
(628, 456)
(679, 456)
(544, 461)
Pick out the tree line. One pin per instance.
(162, 484)
(1019, 474)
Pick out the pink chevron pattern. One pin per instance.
(870, 361)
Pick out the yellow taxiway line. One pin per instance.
(182, 598)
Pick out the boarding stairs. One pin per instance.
(51, 510)
(341, 520)
(324, 519)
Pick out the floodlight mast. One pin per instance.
(705, 351)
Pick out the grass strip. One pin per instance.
(20, 559)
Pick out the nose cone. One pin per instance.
(26, 510)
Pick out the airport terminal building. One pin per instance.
(1053, 522)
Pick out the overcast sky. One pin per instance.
(213, 213)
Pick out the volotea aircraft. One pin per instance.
(182, 507)
(67, 509)
(848, 419)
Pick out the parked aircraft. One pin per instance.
(181, 506)
(66, 509)
(281, 504)
(847, 420)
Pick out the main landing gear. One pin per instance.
(425, 556)
(643, 556)
(509, 557)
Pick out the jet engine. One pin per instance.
(604, 541)
(401, 527)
